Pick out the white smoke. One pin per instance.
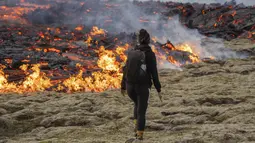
(164, 29)
(204, 47)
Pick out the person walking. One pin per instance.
(139, 72)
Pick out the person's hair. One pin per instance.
(144, 37)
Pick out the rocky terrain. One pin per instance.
(212, 101)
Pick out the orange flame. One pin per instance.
(9, 61)
(234, 13)
(4, 85)
(36, 81)
(215, 25)
(109, 78)
(237, 21)
(220, 18)
(96, 31)
(185, 47)
(249, 35)
(107, 61)
(203, 12)
(79, 28)
(154, 39)
(51, 50)
(121, 52)
(172, 60)
(88, 41)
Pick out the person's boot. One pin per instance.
(139, 135)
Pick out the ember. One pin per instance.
(79, 28)
(96, 31)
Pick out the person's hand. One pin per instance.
(159, 90)
(123, 92)
(160, 96)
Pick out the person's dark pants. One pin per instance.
(140, 95)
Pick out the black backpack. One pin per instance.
(136, 69)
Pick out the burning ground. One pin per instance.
(51, 48)
(86, 62)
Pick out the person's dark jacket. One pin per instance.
(152, 70)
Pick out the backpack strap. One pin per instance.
(144, 57)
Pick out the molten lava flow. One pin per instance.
(16, 13)
(51, 50)
(238, 21)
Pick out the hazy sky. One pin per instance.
(246, 2)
